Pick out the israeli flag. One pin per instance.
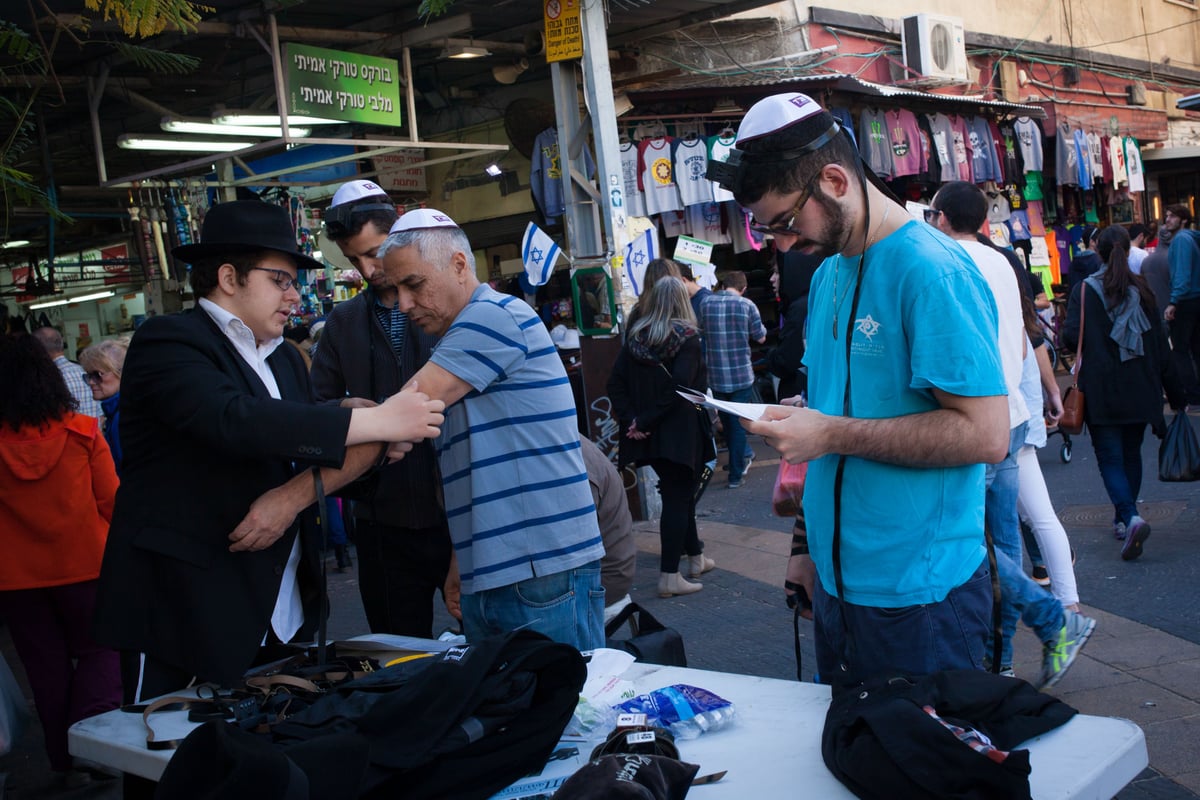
(538, 254)
(638, 254)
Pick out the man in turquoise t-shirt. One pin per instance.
(907, 403)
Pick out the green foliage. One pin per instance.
(433, 8)
(143, 18)
(16, 47)
(157, 60)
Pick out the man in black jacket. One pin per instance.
(367, 352)
(205, 560)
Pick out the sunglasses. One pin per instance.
(95, 376)
(339, 220)
(280, 278)
(787, 230)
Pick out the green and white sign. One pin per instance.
(694, 251)
(335, 84)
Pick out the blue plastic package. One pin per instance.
(686, 711)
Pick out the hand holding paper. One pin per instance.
(797, 433)
(743, 410)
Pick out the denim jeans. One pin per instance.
(735, 435)
(1020, 597)
(856, 642)
(1119, 457)
(567, 606)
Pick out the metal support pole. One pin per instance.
(581, 219)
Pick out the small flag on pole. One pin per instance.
(638, 255)
(538, 253)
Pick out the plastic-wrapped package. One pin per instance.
(686, 711)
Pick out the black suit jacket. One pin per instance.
(203, 439)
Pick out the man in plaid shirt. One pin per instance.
(729, 322)
(72, 373)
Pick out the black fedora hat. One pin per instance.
(242, 225)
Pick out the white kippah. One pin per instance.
(422, 218)
(356, 190)
(775, 113)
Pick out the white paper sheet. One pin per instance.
(743, 410)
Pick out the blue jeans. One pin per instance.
(1020, 597)
(855, 642)
(567, 606)
(1119, 456)
(735, 435)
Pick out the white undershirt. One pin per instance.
(288, 616)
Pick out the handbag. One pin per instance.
(1071, 421)
(651, 642)
(1179, 453)
(789, 488)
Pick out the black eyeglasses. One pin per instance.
(339, 220)
(787, 230)
(95, 376)
(280, 278)
(931, 214)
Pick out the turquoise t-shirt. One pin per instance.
(925, 319)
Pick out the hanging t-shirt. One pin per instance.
(1116, 149)
(1037, 216)
(905, 139)
(546, 174)
(1013, 167)
(656, 176)
(1133, 165)
(1018, 222)
(1097, 156)
(1083, 158)
(962, 148)
(635, 202)
(1106, 160)
(1029, 139)
(876, 148)
(674, 223)
(843, 118)
(1066, 168)
(718, 150)
(932, 170)
(691, 162)
(984, 166)
(943, 143)
(704, 221)
(1033, 186)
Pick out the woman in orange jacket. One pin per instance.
(57, 486)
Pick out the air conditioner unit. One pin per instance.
(934, 46)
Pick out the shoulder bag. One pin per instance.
(1071, 421)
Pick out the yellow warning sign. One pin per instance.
(564, 35)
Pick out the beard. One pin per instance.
(831, 239)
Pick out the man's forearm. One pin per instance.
(300, 491)
(940, 438)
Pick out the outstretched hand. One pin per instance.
(797, 433)
(413, 416)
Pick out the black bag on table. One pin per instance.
(651, 642)
(469, 722)
(1179, 453)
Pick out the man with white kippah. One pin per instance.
(527, 544)
(906, 401)
(368, 352)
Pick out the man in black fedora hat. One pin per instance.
(205, 561)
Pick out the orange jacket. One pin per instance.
(57, 486)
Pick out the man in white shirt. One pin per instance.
(959, 210)
(1137, 247)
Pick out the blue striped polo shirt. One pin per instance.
(516, 489)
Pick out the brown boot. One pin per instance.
(672, 583)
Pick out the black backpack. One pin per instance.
(467, 723)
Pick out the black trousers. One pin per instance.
(400, 570)
(1185, 345)
(677, 526)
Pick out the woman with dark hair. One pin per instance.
(662, 430)
(57, 486)
(1124, 367)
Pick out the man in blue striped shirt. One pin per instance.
(527, 545)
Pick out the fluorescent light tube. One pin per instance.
(206, 128)
(232, 117)
(66, 300)
(130, 141)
